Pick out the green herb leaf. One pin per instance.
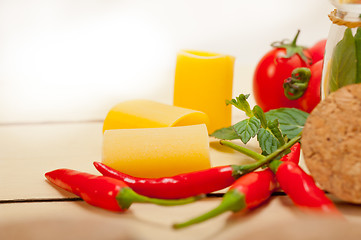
(247, 129)
(358, 55)
(267, 141)
(258, 113)
(272, 128)
(343, 62)
(275, 129)
(241, 103)
(225, 134)
(291, 120)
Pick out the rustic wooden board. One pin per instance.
(29, 205)
(29, 151)
(142, 221)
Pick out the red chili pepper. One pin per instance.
(248, 192)
(179, 186)
(294, 155)
(301, 188)
(188, 184)
(104, 192)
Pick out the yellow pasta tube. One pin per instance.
(157, 152)
(150, 114)
(203, 81)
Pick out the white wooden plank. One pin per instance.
(29, 151)
(277, 219)
(141, 221)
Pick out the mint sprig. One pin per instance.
(291, 120)
(273, 129)
(242, 104)
(267, 141)
(227, 133)
(258, 113)
(247, 129)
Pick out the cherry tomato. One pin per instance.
(317, 51)
(312, 95)
(271, 71)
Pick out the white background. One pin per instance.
(74, 59)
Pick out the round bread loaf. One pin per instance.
(331, 143)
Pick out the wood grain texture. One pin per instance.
(31, 208)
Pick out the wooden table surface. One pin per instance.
(32, 208)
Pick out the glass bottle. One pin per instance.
(342, 61)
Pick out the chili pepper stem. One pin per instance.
(274, 165)
(233, 201)
(127, 196)
(243, 150)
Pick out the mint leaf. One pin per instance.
(247, 129)
(275, 130)
(242, 104)
(258, 113)
(267, 141)
(225, 134)
(291, 120)
(343, 62)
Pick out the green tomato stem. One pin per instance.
(292, 49)
(296, 85)
(294, 41)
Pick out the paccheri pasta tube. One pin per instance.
(150, 114)
(157, 152)
(203, 81)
